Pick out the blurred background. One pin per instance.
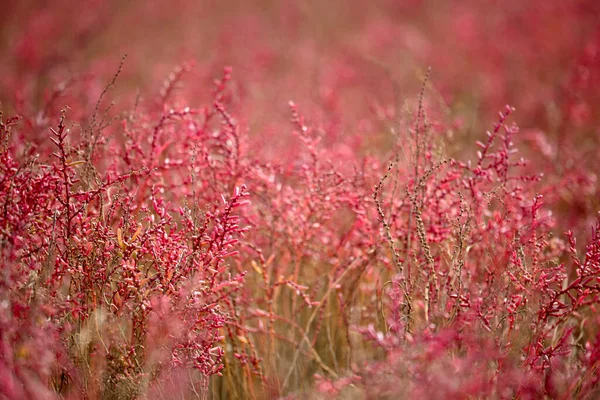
(342, 61)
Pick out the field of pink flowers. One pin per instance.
(267, 199)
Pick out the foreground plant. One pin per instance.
(485, 302)
(109, 280)
(165, 257)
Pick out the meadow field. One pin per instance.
(391, 199)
